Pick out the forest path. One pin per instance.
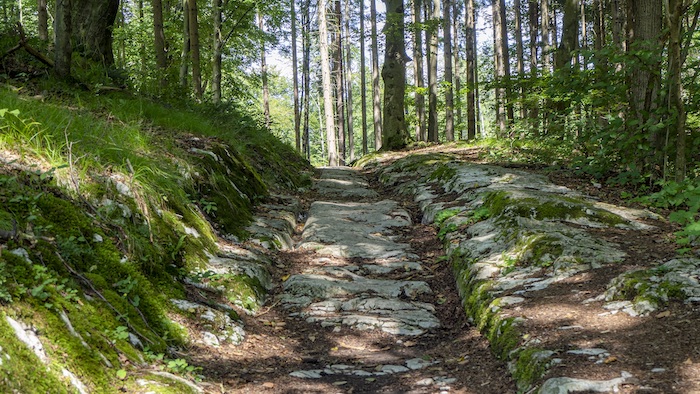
(365, 306)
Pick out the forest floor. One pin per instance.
(657, 353)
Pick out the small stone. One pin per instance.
(268, 385)
(658, 370)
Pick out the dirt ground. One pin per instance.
(661, 351)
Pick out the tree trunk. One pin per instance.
(569, 37)
(159, 34)
(618, 24)
(418, 70)
(363, 78)
(674, 11)
(502, 67)
(432, 33)
(337, 72)
(375, 79)
(92, 22)
(348, 84)
(470, 56)
(532, 13)
(447, 51)
(394, 74)
(306, 27)
(185, 54)
(62, 29)
(217, 49)
(544, 27)
(263, 74)
(326, 84)
(295, 78)
(194, 49)
(42, 20)
(519, 51)
(456, 28)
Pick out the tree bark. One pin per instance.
(544, 27)
(674, 11)
(306, 76)
(62, 29)
(569, 37)
(159, 34)
(295, 78)
(533, 14)
(519, 51)
(92, 22)
(432, 33)
(456, 56)
(194, 49)
(263, 74)
(326, 84)
(470, 56)
(42, 20)
(449, 80)
(348, 84)
(375, 79)
(418, 70)
(217, 52)
(394, 74)
(502, 66)
(337, 72)
(363, 78)
(185, 54)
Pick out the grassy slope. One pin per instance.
(104, 194)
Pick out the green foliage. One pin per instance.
(684, 199)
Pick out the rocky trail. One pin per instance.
(428, 273)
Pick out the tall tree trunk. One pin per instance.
(674, 11)
(62, 29)
(92, 22)
(217, 45)
(432, 33)
(533, 14)
(185, 54)
(306, 40)
(194, 49)
(394, 74)
(584, 35)
(544, 27)
(618, 25)
(470, 56)
(569, 36)
(519, 51)
(363, 78)
(348, 84)
(337, 72)
(42, 20)
(375, 79)
(502, 67)
(447, 51)
(326, 84)
(263, 74)
(456, 28)
(159, 34)
(295, 78)
(418, 70)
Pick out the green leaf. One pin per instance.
(121, 374)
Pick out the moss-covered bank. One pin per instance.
(107, 204)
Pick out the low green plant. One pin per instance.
(684, 199)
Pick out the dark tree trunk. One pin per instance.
(62, 29)
(91, 23)
(431, 37)
(395, 134)
(418, 70)
(363, 78)
(376, 97)
(447, 49)
(42, 20)
(470, 56)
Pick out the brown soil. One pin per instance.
(662, 351)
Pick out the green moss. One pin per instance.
(530, 367)
(443, 172)
(538, 249)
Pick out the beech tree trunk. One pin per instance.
(159, 34)
(377, 102)
(326, 85)
(456, 56)
(91, 24)
(348, 83)
(432, 39)
(217, 45)
(363, 78)
(42, 20)
(394, 74)
(185, 54)
(295, 78)
(470, 56)
(263, 75)
(569, 37)
(544, 27)
(418, 70)
(194, 49)
(337, 72)
(533, 13)
(674, 11)
(519, 51)
(63, 52)
(502, 65)
(306, 40)
(449, 80)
